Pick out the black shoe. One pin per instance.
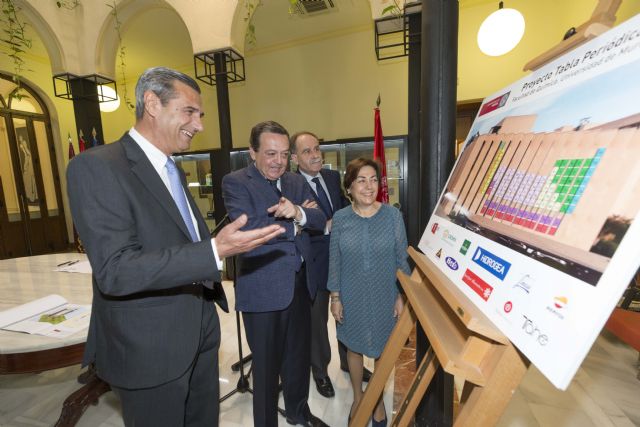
(366, 374)
(311, 421)
(325, 387)
(381, 423)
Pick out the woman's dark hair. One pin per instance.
(353, 169)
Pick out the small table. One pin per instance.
(27, 279)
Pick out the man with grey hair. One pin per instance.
(154, 333)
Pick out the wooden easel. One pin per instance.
(463, 341)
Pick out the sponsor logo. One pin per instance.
(560, 302)
(516, 299)
(524, 284)
(492, 263)
(558, 306)
(465, 247)
(494, 104)
(434, 228)
(479, 286)
(448, 237)
(439, 253)
(508, 306)
(531, 329)
(451, 263)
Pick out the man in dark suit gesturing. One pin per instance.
(274, 285)
(154, 333)
(327, 191)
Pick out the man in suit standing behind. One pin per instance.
(328, 193)
(154, 332)
(274, 285)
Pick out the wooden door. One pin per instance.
(32, 218)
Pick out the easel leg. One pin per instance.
(485, 405)
(384, 367)
(418, 387)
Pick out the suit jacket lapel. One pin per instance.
(334, 193)
(285, 187)
(261, 184)
(142, 168)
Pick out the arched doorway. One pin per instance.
(31, 212)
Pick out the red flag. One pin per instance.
(378, 154)
(72, 152)
(81, 145)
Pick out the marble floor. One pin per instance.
(605, 392)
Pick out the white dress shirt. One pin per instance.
(309, 179)
(158, 160)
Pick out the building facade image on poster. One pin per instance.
(538, 222)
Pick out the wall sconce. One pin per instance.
(108, 98)
(501, 31)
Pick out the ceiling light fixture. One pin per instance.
(501, 31)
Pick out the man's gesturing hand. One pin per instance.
(231, 241)
(285, 209)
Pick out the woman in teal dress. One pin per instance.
(368, 245)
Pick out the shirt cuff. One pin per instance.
(215, 254)
(303, 220)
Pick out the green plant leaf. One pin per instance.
(389, 9)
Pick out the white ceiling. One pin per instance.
(274, 24)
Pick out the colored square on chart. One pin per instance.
(573, 190)
(542, 228)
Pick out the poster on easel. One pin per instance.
(539, 221)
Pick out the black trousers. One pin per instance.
(280, 345)
(320, 346)
(190, 400)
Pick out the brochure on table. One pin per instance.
(538, 223)
(51, 316)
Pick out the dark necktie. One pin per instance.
(323, 200)
(177, 191)
(274, 185)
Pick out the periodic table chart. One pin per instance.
(538, 223)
